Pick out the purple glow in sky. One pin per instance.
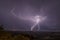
(36, 19)
(20, 14)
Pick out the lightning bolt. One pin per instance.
(35, 26)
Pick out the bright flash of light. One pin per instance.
(37, 20)
(34, 27)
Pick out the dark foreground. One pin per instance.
(19, 35)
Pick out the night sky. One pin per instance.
(14, 12)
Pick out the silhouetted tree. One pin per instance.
(1, 28)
